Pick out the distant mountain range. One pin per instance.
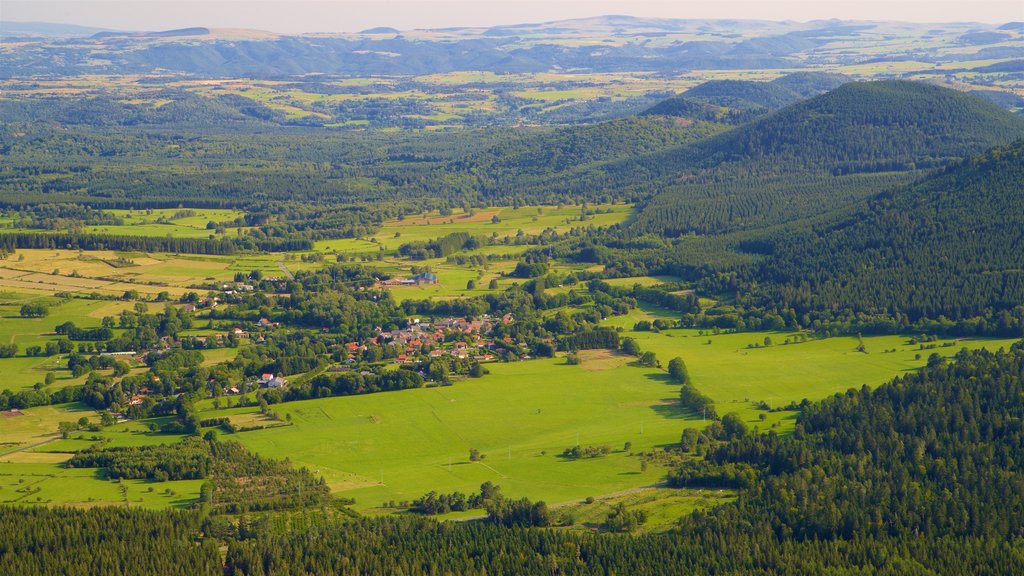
(604, 44)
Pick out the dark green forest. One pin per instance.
(948, 245)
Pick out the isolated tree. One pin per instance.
(677, 370)
(629, 346)
(66, 428)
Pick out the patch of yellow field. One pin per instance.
(600, 360)
(26, 457)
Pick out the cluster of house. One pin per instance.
(264, 381)
(211, 302)
(417, 280)
(475, 340)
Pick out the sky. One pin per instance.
(297, 16)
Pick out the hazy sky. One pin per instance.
(353, 15)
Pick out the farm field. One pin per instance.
(112, 273)
(529, 219)
(516, 416)
(31, 426)
(663, 507)
(163, 222)
(168, 222)
(22, 372)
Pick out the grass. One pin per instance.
(47, 483)
(455, 278)
(397, 446)
(145, 223)
(38, 425)
(23, 372)
(663, 507)
(736, 376)
(431, 225)
(515, 416)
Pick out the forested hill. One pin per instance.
(871, 126)
(743, 94)
(743, 100)
(808, 84)
(568, 160)
(950, 245)
(816, 155)
(683, 107)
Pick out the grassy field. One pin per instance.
(23, 481)
(397, 446)
(38, 425)
(454, 278)
(663, 507)
(515, 416)
(431, 225)
(23, 372)
(100, 271)
(735, 375)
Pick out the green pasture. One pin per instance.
(663, 507)
(736, 375)
(431, 225)
(523, 415)
(144, 222)
(51, 484)
(397, 446)
(453, 280)
(23, 372)
(38, 425)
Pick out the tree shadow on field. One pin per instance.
(661, 378)
(671, 408)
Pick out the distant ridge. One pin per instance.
(194, 31)
(47, 29)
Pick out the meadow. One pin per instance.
(168, 222)
(394, 447)
(397, 446)
(454, 278)
(430, 225)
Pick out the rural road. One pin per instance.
(280, 264)
(23, 448)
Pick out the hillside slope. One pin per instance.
(952, 244)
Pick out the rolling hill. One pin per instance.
(817, 155)
(738, 101)
(743, 94)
